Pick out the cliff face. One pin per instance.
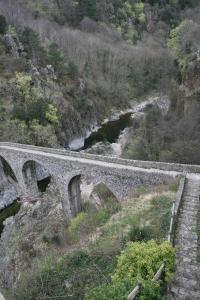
(61, 93)
(26, 235)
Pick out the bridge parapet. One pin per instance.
(182, 168)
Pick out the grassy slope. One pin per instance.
(69, 276)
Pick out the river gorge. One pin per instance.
(109, 138)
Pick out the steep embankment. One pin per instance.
(100, 232)
(104, 57)
(92, 73)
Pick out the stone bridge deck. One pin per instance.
(186, 282)
(147, 165)
(66, 170)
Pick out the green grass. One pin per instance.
(143, 218)
(87, 221)
(66, 278)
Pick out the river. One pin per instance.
(109, 131)
(107, 139)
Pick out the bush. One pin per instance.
(117, 291)
(30, 111)
(3, 25)
(140, 262)
(151, 291)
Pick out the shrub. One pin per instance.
(140, 261)
(30, 111)
(151, 291)
(117, 291)
(52, 114)
(76, 222)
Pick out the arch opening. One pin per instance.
(36, 177)
(102, 196)
(81, 193)
(75, 196)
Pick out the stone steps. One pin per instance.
(185, 284)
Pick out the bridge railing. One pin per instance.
(183, 168)
(175, 210)
(177, 203)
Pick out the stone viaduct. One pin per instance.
(24, 166)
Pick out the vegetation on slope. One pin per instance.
(104, 54)
(86, 274)
(174, 138)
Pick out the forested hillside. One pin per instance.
(67, 66)
(64, 65)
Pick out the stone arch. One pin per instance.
(74, 193)
(7, 169)
(101, 193)
(36, 177)
(8, 184)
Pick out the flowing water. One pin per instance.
(109, 131)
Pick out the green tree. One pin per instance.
(56, 57)
(3, 25)
(52, 114)
(184, 45)
(72, 70)
(86, 8)
(33, 46)
(26, 89)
